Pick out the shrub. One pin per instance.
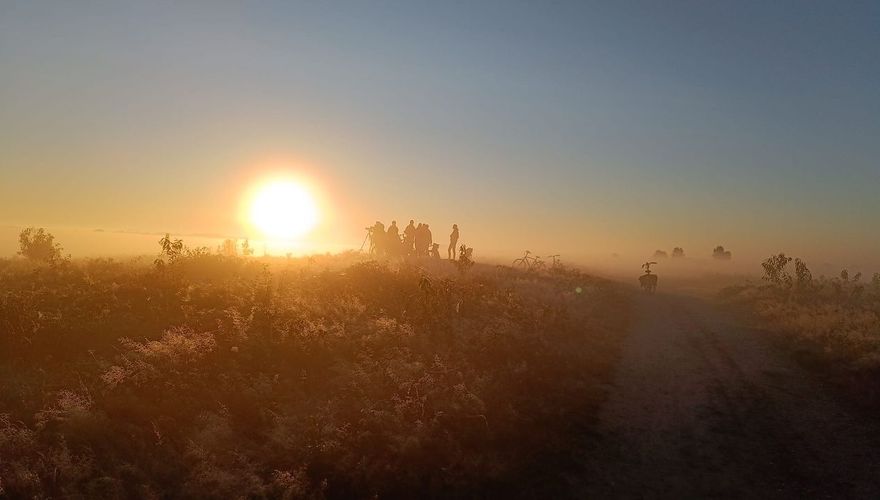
(246, 249)
(38, 245)
(829, 321)
(171, 250)
(774, 270)
(465, 259)
(229, 248)
(224, 377)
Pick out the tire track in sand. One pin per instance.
(704, 407)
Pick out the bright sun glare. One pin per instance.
(283, 210)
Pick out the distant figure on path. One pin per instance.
(453, 241)
(435, 251)
(648, 281)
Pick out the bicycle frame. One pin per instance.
(529, 262)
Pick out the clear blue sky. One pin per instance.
(586, 128)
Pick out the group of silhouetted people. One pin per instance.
(416, 240)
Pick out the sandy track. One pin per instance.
(703, 407)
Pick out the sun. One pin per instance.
(283, 210)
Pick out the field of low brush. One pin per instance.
(230, 377)
(832, 324)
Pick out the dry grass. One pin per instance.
(226, 377)
(832, 323)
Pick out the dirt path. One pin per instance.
(703, 407)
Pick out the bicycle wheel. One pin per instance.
(520, 263)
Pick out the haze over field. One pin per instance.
(407, 249)
(578, 128)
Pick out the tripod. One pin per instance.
(369, 236)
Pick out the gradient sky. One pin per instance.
(574, 127)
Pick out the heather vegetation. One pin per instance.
(832, 322)
(208, 374)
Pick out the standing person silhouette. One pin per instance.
(409, 237)
(453, 241)
(379, 238)
(393, 239)
(429, 240)
(419, 239)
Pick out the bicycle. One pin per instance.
(556, 264)
(529, 262)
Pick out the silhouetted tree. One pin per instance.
(774, 270)
(198, 252)
(38, 245)
(678, 252)
(246, 249)
(802, 275)
(660, 254)
(720, 253)
(171, 250)
(228, 248)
